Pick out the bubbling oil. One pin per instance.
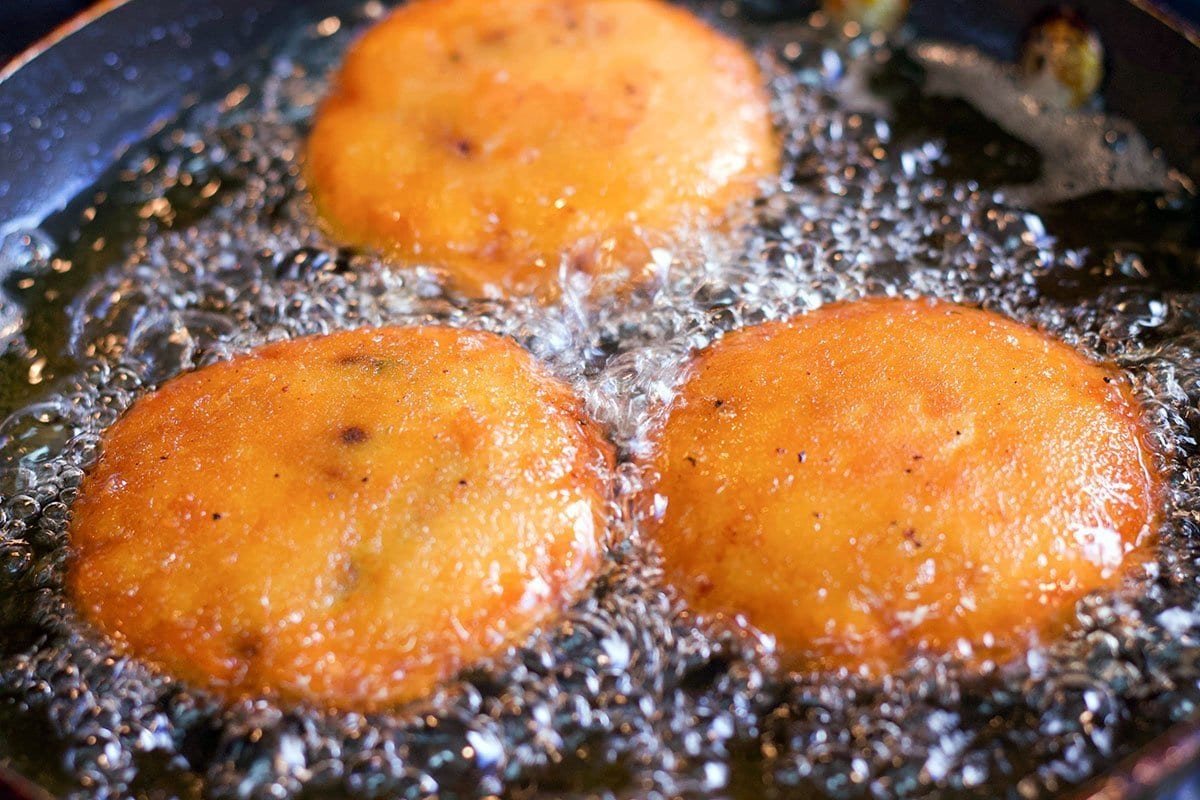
(205, 245)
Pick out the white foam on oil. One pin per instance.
(1082, 152)
(626, 695)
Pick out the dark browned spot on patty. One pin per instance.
(354, 435)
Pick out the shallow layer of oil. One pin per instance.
(205, 244)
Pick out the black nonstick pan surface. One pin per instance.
(72, 105)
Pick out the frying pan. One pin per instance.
(73, 103)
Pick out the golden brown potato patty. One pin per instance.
(493, 138)
(882, 477)
(346, 519)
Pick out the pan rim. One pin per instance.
(63, 31)
(1145, 769)
(1166, 17)
(1170, 19)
